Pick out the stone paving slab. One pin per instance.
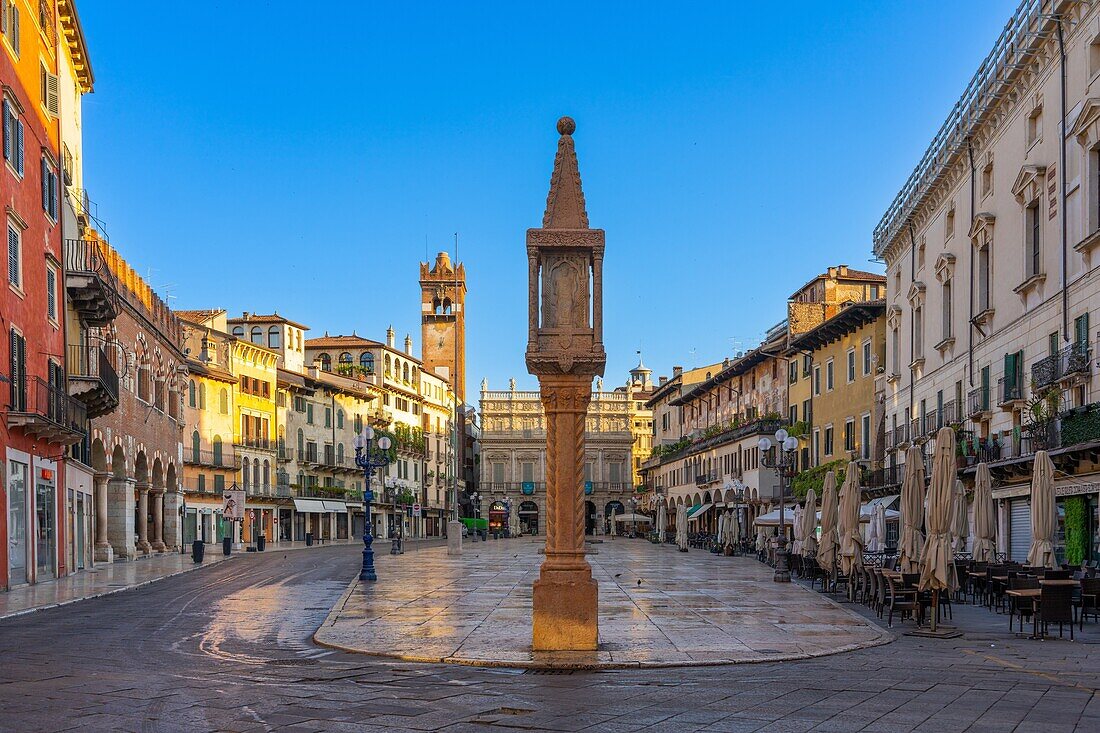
(658, 608)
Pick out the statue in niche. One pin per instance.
(564, 294)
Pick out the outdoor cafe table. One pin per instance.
(1035, 594)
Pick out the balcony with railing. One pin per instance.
(210, 455)
(950, 413)
(932, 422)
(92, 379)
(901, 435)
(45, 412)
(254, 442)
(1010, 390)
(977, 401)
(705, 478)
(90, 284)
(916, 429)
(885, 478)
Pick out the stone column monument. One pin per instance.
(565, 351)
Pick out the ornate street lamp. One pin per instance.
(633, 502)
(783, 462)
(368, 459)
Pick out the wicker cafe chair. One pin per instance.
(903, 600)
(1056, 607)
(1021, 606)
(880, 593)
(1090, 599)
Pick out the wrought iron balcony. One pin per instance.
(901, 435)
(1074, 361)
(214, 457)
(89, 283)
(916, 429)
(92, 379)
(254, 442)
(1044, 372)
(951, 413)
(44, 412)
(932, 422)
(977, 401)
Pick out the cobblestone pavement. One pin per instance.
(229, 648)
(658, 607)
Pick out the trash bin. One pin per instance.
(198, 550)
(227, 546)
(309, 539)
(261, 543)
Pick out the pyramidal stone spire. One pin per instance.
(565, 202)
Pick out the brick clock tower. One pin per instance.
(443, 320)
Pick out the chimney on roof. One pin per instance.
(661, 381)
(677, 371)
(408, 344)
(843, 270)
(832, 273)
(245, 315)
(389, 337)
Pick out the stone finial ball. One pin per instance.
(566, 126)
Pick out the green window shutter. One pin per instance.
(1081, 329)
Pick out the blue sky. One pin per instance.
(303, 158)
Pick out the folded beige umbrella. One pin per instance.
(851, 536)
(985, 517)
(1044, 514)
(809, 525)
(961, 527)
(826, 550)
(912, 512)
(937, 557)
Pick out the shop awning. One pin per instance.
(310, 505)
(335, 506)
(771, 519)
(885, 501)
(698, 510)
(632, 518)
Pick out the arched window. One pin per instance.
(255, 471)
(273, 337)
(405, 372)
(223, 401)
(195, 447)
(340, 419)
(366, 360)
(345, 358)
(191, 393)
(388, 372)
(238, 331)
(339, 454)
(446, 306)
(301, 444)
(257, 335)
(202, 396)
(267, 473)
(143, 382)
(326, 362)
(216, 444)
(245, 473)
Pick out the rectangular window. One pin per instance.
(11, 26)
(806, 411)
(1081, 330)
(946, 326)
(865, 437)
(984, 266)
(866, 358)
(498, 473)
(851, 365)
(51, 292)
(48, 83)
(829, 376)
(828, 440)
(49, 188)
(17, 371)
(1033, 240)
(15, 256)
(817, 380)
(309, 413)
(328, 417)
(13, 137)
(849, 435)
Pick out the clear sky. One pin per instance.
(303, 157)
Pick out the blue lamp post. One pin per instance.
(368, 459)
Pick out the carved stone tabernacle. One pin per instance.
(565, 351)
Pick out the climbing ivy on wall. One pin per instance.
(1076, 526)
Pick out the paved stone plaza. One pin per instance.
(229, 649)
(658, 607)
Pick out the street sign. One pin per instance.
(416, 510)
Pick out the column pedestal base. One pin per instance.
(565, 612)
(104, 553)
(454, 537)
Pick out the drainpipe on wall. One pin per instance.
(1062, 176)
(970, 290)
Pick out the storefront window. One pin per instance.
(45, 528)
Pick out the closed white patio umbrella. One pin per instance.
(851, 537)
(809, 525)
(985, 517)
(1044, 513)
(912, 512)
(961, 528)
(827, 548)
(682, 528)
(937, 567)
(662, 521)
